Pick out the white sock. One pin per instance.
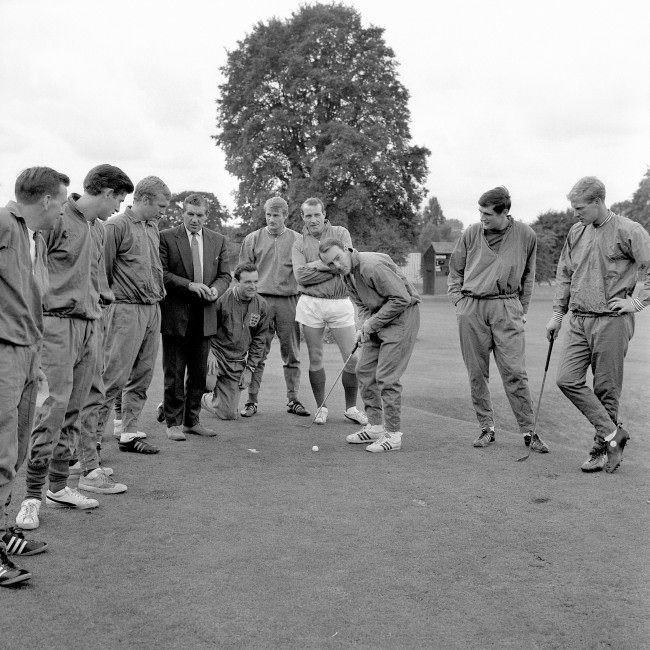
(132, 435)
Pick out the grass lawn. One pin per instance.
(439, 545)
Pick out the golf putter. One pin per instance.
(539, 400)
(308, 426)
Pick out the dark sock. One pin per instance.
(317, 381)
(350, 386)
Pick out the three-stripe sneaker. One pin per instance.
(10, 574)
(369, 433)
(14, 540)
(69, 498)
(389, 441)
(487, 437)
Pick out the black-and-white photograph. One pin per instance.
(323, 324)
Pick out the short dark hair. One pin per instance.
(195, 199)
(245, 267)
(330, 242)
(107, 177)
(34, 183)
(497, 198)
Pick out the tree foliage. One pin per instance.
(218, 215)
(434, 226)
(551, 228)
(312, 106)
(638, 209)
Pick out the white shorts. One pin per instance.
(318, 312)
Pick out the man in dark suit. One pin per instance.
(195, 273)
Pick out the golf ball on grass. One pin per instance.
(314, 448)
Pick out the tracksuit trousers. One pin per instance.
(382, 362)
(599, 343)
(68, 359)
(18, 388)
(496, 326)
(282, 321)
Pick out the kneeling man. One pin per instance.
(239, 344)
(390, 316)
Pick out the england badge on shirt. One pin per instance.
(253, 320)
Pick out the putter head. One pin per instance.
(526, 457)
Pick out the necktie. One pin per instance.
(196, 260)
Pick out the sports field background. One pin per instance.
(439, 545)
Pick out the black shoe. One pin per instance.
(138, 446)
(295, 407)
(249, 410)
(615, 446)
(10, 574)
(160, 413)
(14, 540)
(486, 438)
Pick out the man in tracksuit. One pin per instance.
(388, 308)
(596, 276)
(135, 275)
(71, 315)
(239, 344)
(269, 249)
(491, 276)
(40, 195)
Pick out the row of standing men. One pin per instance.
(84, 291)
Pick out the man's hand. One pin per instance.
(246, 378)
(622, 305)
(319, 265)
(214, 294)
(201, 290)
(363, 334)
(553, 328)
(213, 367)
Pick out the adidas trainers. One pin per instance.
(98, 481)
(16, 544)
(27, 517)
(369, 433)
(355, 415)
(10, 574)
(487, 437)
(69, 498)
(321, 415)
(389, 441)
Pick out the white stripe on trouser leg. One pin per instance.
(2, 571)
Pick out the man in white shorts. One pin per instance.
(324, 301)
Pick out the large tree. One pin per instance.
(551, 228)
(218, 215)
(434, 226)
(312, 106)
(638, 209)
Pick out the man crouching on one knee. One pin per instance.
(239, 344)
(388, 308)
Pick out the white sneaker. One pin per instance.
(354, 414)
(118, 428)
(69, 498)
(369, 433)
(321, 415)
(388, 442)
(98, 481)
(27, 517)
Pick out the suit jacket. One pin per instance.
(178, 272)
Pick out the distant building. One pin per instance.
(435, 266)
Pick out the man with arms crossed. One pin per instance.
(269, 249)
(324, 301)
(596, 276)
(40, 195)
(491, 277)
(390, 316)
(195, 272)
(239, 345)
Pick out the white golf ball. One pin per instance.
(314, 448)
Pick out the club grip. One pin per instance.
(548, 354)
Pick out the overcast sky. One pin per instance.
(531, 95)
